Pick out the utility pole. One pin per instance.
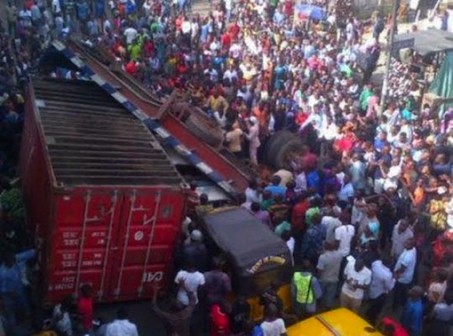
(385, 83)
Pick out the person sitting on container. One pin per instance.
(193, 199)
(204, 207)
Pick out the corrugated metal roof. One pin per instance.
(428, 41)
(91, 139)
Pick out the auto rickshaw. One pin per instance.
(255, 256)
(338, 322)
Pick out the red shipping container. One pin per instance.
(102, 196)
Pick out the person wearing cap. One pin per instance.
(195, 251)
(253, 136)
(412, 317)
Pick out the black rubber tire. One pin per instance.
(278, 147)
(293, 145)
(275, 143)
(211, 135)
(268, 145)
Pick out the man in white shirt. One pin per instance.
(329, 131)
(301, 181)
(254, 139)
(328, 269)
(188, 281)
(121, 326)
(235, 50)
(230, 74)
(401, 233)
(343, 237)
(25, 17)
(212, 74)
(147, 6)
(194, 28)
(186, 26)
(382, 283)
(404, 273)
(357, 278)
(252, 194)
(331, 223)
(346, 193)
(56, 8)
(130, 33)
(393, 175)
(272, 325)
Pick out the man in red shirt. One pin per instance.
(298, 225)
(225, 40)
(85, 307)
(220, 323)
(234, 30)
(131, 67)
(389, 327)
(298, 213)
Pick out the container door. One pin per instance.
(85, 229)
(147, 235)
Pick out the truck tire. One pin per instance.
(272, 145)
(208, 133)
(291, 146)
(283, 143)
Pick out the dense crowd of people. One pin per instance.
(365, 208)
